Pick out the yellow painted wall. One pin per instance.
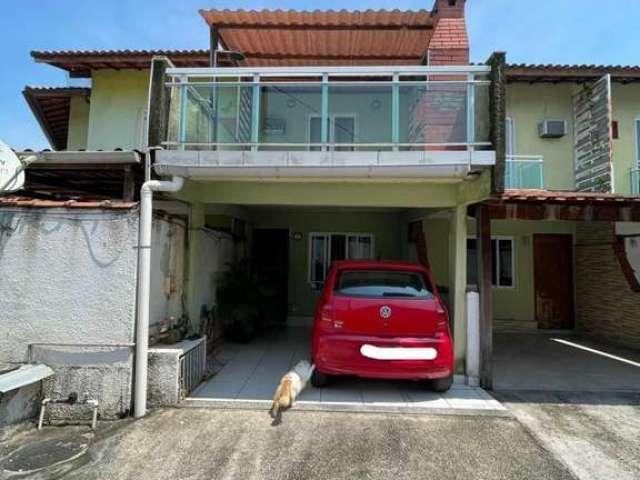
(385, 226)
(78, 123)
(529, 105)
(626, 109)
(515, 303)
(118, 104)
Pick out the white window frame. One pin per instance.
(370, 236)
(332, 132)
(636, 125)
(514, 269)
(510, 139)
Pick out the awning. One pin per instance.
(50, 106)
(300, 38)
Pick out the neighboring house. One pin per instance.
(362, 135)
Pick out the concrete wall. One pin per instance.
(67, 298)
(68, 290)
(168, 238)
(118, 109)
(607, 308)
(78, 123)
(216, 250)
(68, 276)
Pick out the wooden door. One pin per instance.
(553, 281)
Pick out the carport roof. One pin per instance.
(292, 37)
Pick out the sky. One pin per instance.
(530, 31)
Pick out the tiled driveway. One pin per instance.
(250, 373)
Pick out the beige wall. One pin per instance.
(514, 304)
(78, 123)
(118, 104)
(626, 109)
(530, 104)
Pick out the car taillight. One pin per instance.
(326, 313)
(442, 325)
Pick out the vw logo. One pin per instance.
(385, 312)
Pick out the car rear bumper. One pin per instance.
(387, 358)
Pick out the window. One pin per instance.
(328, 247)
(502, 262)
(382, 284)
(340, 128)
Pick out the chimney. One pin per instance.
(449, 43)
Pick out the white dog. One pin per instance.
(290, 387)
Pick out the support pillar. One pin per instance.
(483, 232)
(458, 285)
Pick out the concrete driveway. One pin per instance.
(231, 444)
(596, 434)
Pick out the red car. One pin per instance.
(382, 320)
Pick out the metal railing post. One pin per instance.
(183, 111)
(395, 111)
(324, 117)
(471, 112)
(255, 113)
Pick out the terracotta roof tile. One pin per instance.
(278, 37)
(565, 196)
(15, 201)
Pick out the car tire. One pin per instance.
(441, 385)
(319, 379)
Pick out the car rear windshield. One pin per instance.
(383, 284)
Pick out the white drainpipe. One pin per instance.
(144, 279)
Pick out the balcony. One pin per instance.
(635, 181)
(524, 172)
(327, 117)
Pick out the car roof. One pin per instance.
(378, 265)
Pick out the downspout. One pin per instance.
(144, 280)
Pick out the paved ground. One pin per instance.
(224, 444)
(597, 435)
(562, 363)
(248, 375)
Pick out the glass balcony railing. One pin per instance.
(321, 108)
(524, 172)
(635, 181)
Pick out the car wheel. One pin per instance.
(319, 379)
(441, 385)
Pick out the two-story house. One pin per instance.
(318, 136)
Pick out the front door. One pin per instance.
(553, 281)
(270, 258)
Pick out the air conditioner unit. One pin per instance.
(552, 128)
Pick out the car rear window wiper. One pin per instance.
(395, 294)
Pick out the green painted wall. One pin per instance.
(78, 123)
(626, 109)
(508, 303)
(529, 105)
(385, 226)
(117, 113)
(313, 193)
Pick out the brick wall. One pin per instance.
(606, 306)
